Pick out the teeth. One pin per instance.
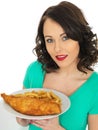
(60, 56)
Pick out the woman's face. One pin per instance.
(63, 50)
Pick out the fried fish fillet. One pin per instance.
(32, 105)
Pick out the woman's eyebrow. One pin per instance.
(47, 36)
(51, 36)
(63, 34)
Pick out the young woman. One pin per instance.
(67, 51)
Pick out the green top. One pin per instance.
(84, 100)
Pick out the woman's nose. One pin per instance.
(57, 47)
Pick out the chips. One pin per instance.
(41, 94)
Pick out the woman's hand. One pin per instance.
(48, 124)
(23, 122)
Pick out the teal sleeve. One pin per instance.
(26, 83)
(94, 109)
(34, 76)
(33, 127)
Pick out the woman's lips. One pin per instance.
(61, 57)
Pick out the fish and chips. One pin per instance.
(34, 103)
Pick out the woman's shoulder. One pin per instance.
(33, 73)
(35, 65)
(93, 80)
(92, 75)
(95, 75)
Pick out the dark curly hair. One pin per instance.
(72, 20)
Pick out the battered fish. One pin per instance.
(32, 105)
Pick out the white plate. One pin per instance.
(64, 107)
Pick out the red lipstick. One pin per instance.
(61, 57)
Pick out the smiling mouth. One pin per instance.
(61, 57)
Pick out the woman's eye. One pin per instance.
(65, 38)
(49, 41)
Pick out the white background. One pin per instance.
(18, 26)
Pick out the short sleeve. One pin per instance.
(26, 81)
(94, 108)
(34, 76)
